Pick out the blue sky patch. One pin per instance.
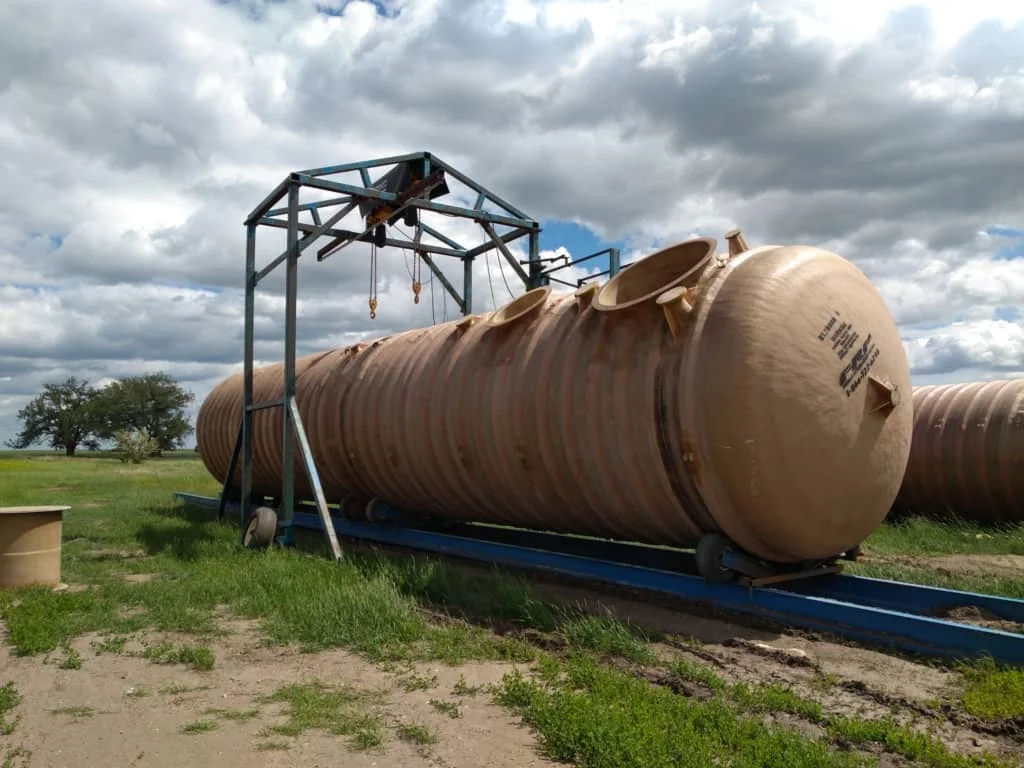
(579, 240)
(1010, 314)
(1012, 250)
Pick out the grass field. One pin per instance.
(596, 691)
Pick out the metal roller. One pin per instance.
(760, 393)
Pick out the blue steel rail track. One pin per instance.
(888, 614)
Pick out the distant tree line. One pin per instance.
(75, 414)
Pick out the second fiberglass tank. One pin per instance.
(761, 393)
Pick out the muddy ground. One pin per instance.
(123, 710)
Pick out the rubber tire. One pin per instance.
(353, 508)
(261, 529)
(709, 558)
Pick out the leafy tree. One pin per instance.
(62, 414)
(153, 402)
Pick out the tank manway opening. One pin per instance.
(520, 307)
(677, 265)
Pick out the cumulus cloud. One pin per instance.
(133, 146)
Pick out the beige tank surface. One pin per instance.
(967, 454)
(30, 546)
(758, 393)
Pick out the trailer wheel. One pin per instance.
(853, 554)
(709, 558)
(261, 529)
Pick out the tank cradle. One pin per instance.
(720, 560)
(894, 615)
(717, 559)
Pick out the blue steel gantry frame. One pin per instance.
(409, 184)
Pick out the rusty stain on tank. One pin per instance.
(754, 392)
(967, 454)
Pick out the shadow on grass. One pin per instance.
(185, 533)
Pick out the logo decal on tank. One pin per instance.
(843, 337)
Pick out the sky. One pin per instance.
(136, 137)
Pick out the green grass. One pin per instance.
(199, 726)
(273, 746)
(598, 717)
(341, 711)
(603, 718)
(10, 698)
(607, 636)
(406, 608)
(924, 536)
(416, 734)
(416, 682)
(78, 713)
(176, 689)
(198, 657)
(921, 538)
(992, 584)
(236, 715)
(462, 688)
(992, 691)
(16, 757)
(449, 708)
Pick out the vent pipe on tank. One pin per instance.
(737, 242)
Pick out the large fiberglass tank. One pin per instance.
(967, 454)
(763, 394)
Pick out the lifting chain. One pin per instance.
(373, 281)
(417, 272)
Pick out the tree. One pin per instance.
(153, 403)
(62, 414)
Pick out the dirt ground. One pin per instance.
(135, 720)
(140, 710)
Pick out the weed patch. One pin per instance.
(992, 691)
(199, 726)
(598, 717)
(10, 698)
(449, 708)
(416, 734)
(339, 711)
(199, 657)
(237, 715)
(76, 713)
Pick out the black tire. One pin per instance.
(853, 555)
(709, 558)
(261, 529)
(352, 508)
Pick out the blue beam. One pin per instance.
(363, 165)
(508, 237)
(888, 628)
(312, 206)
(869, 610)
(478, 188)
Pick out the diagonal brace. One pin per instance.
(459, 301)
(313, 476)
(489, 229)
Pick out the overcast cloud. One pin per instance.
(135, 137)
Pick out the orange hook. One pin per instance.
(417, 286)
(373, 308)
